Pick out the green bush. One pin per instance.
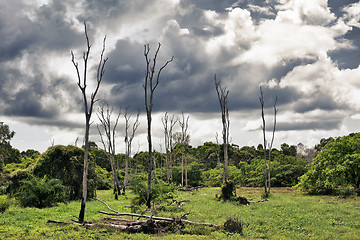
(15, 180)
(41, 193)
(160, 191)
(228, 190)
(336, 169)
(4, 203)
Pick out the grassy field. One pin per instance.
(287, 215)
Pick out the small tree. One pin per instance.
(129, 136)
(267, 163)
(222, 94)
(184, 123)
(88, 108)
(168, 124)
(108, 140)
(151, 81)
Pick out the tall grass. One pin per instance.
(287, 215)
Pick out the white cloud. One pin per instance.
(352, 15)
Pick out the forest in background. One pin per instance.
(64, 164)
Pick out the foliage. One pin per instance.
(66, 163)
(228, 190)
(16, 179)
(335, 170)
(41, 193)
(102, 178)
(4, 203)
(7, 153)
(160, 191)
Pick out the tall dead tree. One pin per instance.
(129, 136)
(151, 81)
(107, 132)
(168, 124)
(222, 94)
(271, 143)
(267, 161)
(88, 108)
(184, 123)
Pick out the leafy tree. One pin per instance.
(5, 134)
(7, 153)
(336, 169)
(288, 150)
(319, 147)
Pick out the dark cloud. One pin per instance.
(348, 58)
(321, 124)
(319, 100)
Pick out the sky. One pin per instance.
(306, 53)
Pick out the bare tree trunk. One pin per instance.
(168, 127)
(128, 141)
(271, 144)
(149, 84)
(184, 123)
(223, 98)
(88, 108)
(109, 142)
(261, 98)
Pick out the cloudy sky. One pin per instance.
(305, 52)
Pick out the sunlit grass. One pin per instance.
(287, 215)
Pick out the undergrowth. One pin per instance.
(287, 215)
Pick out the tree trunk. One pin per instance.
(85, 171)
(148, 200)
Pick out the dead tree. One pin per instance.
(168, 124)
(272, 141)
(88, 108)
(151, 81)
(107, 138)
(222, 94)
(184, 123)
(267, 161)
(129, 136)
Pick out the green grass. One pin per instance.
(287, 215)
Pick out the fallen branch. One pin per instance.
(179, 203)
(160, 218)
(106, 205)
(261, 200)
(191, 188)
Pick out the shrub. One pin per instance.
(41, 193)
(228, 190)
(4, 203)
(160, 191)
(15, 180)
(233, 225)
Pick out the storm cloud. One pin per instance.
(306, 53)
